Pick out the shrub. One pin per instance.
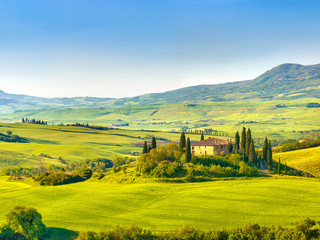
(26, 221)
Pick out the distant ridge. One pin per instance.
(286, 81)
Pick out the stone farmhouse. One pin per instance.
(211, 146)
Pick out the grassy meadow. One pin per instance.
(161, 206)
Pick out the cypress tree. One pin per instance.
(252, 152)
(153, 143)
(230, 147)
(202, 137)
(182, 144)
(243, 140)
(237, 142)
(149, 148)
(265, 150)
(188, 151)
(269, 155)
(285, 169)
(145, 147)
(279, 167)
(248, 141)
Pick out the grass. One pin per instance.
(161, 206)
(74, 143)
(307, 160)
(224, 116)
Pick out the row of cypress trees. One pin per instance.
(267, 152)
(147, 148)
(245, 145)
(185, 146)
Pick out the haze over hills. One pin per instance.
(286, 81)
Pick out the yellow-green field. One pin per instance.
(307, 160)
(74, 143)
(275, 122)
(159, 206)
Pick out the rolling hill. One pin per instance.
(286, 81)
(307, 160)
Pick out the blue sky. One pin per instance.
(117, 48)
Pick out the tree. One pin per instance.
(153, 143)
(285, 169)
(230, 147)
(279, 167)
(202, 137)
(248, 141)
(243, 140)
(145, 147)
(252, 153)
(269, 155)
(188, 151)
(265, 150)
(237, 142)
(27, 221)
(9, 133)
(182, 144)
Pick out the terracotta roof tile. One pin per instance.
(210, 142)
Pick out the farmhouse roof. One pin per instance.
(211, 142)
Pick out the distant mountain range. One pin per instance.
(286, 81)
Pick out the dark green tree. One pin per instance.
(285, 169)
(188, 151)
(153, 143)
(202, 137)
(269, 155)
(145, 147)
(149, 148)
(243, 157)
(237, 142)
(230, 147)
(265, 150)
(279, 167)
(26, 221)
(252, 153)
(243, 140)
(248, 141)
(182, 144)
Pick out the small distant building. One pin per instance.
(211, 146)
(207, 130)
(305, 140)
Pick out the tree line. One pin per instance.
(306, 229)
(34, 121)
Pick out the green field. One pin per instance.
(307, 160)
(275, 122)
(159, 206)
(74, 143)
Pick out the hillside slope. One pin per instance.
(286, 81)
(307, 160)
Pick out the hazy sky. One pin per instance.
(117, 48)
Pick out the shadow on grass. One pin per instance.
(61, 233)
